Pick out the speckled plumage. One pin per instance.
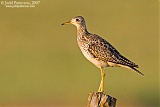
(98, 50)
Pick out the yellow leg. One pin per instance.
(101, 87)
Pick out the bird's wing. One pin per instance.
(103, 50)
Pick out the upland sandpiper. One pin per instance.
(98, 50)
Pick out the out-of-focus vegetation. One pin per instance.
(41, 64)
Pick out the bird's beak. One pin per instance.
(67, 23)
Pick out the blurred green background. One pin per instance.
(41, 63)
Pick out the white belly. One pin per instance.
(100, 64)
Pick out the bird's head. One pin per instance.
(77, 21)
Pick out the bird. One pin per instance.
(99, 51)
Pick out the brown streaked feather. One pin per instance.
(103, 50)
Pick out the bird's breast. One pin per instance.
(91, 58)
(83, 43)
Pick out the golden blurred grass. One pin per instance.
(41, 62)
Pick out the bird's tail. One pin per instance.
(134, 69)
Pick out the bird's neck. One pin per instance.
(82, 30)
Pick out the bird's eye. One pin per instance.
(77, 20)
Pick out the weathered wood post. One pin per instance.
(100, 99)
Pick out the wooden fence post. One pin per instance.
(100, 99)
